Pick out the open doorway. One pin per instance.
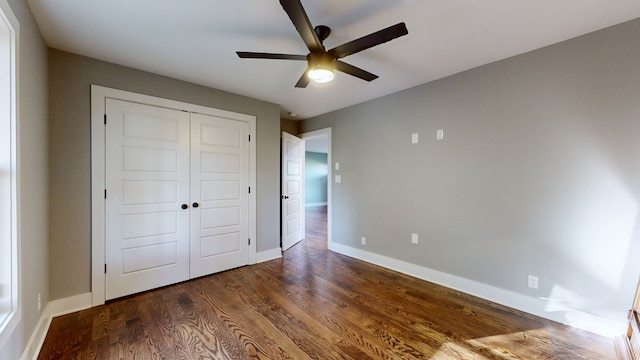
(318, 175)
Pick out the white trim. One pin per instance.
(52, 309)
(318, 133)
(267, 255)
(600, 325)
(68, 305)
(99, 94)
(253, 196)
(15, 316)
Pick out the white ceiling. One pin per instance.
(196, 40)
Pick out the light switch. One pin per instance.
(414, 138)
(337, 166)
(414, 238)
(338, 179)
(439, 134)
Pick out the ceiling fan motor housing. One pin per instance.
(320, 60)
(322, 31)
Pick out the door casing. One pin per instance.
(99, 94)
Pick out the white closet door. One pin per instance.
(147, 180)
(220, 190)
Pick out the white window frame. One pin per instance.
(10, 322)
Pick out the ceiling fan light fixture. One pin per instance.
(320, 74)
(320, 67)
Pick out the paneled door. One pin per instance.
(220, 189)
(177, 196)
(147, 217)
(293, 152)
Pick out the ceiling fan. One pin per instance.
(322, 63)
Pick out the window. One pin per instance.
(9, 309)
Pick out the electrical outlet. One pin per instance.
(533, 282)
(414, 238)
(363, 240)
(39, 302)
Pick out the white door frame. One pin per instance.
(99, 94)
(322, 133)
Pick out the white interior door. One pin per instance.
(292, 190)
(147, 182)
(219, 194)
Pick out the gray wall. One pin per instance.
(70, 77)
(315, 172)
(289, 126)
(538, 172)
(32, 93)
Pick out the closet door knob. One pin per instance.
(184, 206)
(195, 205)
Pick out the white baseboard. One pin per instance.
(316, 204)
(52, 309)
(267, 255)
(610, 326)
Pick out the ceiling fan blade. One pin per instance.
(369, 41)
(260, 55)
(299, 18)
(304, 80)
(355, 71)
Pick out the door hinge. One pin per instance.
(105, 268)
(249, 137)
(105, 193)
(249, 241)
(105, 119)
(249, 189)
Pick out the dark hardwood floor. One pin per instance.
(312, 304)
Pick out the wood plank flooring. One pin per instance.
(312, 304)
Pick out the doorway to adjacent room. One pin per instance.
(318, 176)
